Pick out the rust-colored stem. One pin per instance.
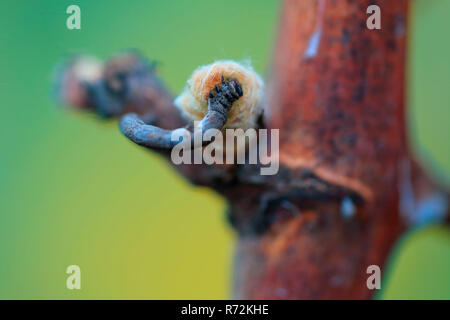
(336, 92)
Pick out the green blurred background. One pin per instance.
(74, 191)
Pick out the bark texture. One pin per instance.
(336, 92)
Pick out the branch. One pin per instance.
(126, 84)
(219, 104)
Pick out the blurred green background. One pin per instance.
(74, 191)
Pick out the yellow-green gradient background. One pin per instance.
(74, 191)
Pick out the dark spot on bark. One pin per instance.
(360, 91)
(345, 38)
(391, 44)
(348, 139)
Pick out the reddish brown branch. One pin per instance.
(336, 92)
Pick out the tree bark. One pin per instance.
(336, 92)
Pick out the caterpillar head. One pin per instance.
(193, 101)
